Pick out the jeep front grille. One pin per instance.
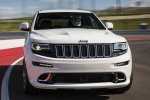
(83, 51)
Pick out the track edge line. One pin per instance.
(5, 82)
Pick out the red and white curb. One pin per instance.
(10, 51)
(14, 43)
(137, 39)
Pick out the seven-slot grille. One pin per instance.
(83, 51)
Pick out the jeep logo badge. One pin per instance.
(83, 41)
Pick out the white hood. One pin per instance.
(73, 35)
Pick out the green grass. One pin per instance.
(9, 26)
(12, 24)
(26, 18)
(124, 11)
(129, 24)
(99, 15)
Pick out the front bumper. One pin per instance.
(76, 86)
(60, 65)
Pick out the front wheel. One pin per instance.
(27, 87)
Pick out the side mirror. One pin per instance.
(109, 25)
(24, 26)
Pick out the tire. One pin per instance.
(124, 89)
(27, 87)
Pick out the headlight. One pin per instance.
(40, 47)
(120, 47)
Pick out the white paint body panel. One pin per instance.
(73, 35)
(78, 66)
(24, 25)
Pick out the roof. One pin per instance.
(52, 11)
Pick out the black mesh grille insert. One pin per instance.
(92, 50)
(67, 51)
(84, 51)
(99, 50)
(82, 78)
(107, 50)
(75, 51)
(59, 51)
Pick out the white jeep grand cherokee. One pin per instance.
(72, 49)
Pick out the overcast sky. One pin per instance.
(31, 6)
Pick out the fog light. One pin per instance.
(122, 63)
(41, 64)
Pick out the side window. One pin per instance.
(94, 24)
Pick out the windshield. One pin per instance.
(67, 20)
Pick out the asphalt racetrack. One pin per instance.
(140, 89)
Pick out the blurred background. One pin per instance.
(124, 14)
